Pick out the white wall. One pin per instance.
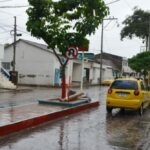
(125, 67)
(108, 73)
(34, 66)
(1, 53)
(76, 73)
(95, 73)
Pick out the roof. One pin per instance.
(42, 46)
(111, 60)
(38, 45)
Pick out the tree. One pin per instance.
(137, 25)
(140, 63)
(64, 23)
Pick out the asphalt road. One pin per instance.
(89, 130)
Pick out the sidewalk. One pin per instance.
(15, 119)
(19, 113)
(19, 89)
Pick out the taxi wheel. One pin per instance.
(141, 110)
(109, 109)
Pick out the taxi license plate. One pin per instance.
(122, 94)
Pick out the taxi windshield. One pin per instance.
(125, 84)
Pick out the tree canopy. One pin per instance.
(65, 23)
(136, 25)
(140, 62)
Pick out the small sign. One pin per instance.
(86, 55)
(85, 49)
(72, 53)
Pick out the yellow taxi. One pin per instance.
(127, 93)
(107, 82)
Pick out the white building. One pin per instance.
(4, 81)
(37, 65)
(126, 70)
(1, 53)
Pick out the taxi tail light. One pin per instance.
(136, 93)
(109, 91)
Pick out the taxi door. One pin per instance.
(145, 95)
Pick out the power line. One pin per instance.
(126, 2)
(8, 26)
(4, 12)
(7, 31)
(14, 6)
(112, 2)
(3, 28)
(5, 0)
(27, 33)
(107, 24)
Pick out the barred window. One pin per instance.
(6, 65)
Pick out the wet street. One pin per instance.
(92, 129)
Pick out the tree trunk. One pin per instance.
(146, 43)
(63, 82)
(63, 75)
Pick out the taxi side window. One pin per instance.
(142, 86)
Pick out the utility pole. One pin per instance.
(149, 34)
(14, 45)
(14, 73)
(101, 50)
(101, 54)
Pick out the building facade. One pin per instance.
(37, 65)
(1, 54)
(118, 64)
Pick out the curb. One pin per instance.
(14, 90)
(24, 124)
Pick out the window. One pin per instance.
(6, 65)
(124, 84)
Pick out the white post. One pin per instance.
(82, 71)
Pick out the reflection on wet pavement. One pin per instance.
(90, 130)
(15, 114)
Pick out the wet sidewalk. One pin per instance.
(15, 119)
(15, 114)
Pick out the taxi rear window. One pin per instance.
(124, 84)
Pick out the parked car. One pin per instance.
(107, 82)
(128, 93)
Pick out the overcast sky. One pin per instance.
(112, 43)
